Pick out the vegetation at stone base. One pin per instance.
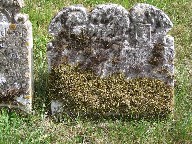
(38, 128)
(83, 92)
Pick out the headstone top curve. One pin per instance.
(9, 3)
(146, 13)
(9, 9)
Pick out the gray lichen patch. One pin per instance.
(15, 58)
(109, 40)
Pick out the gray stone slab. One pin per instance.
(15, 56)
(108, 41)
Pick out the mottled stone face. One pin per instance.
(15, 57)
(110, 40)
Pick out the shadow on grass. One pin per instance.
(98, 118)
(40, 98)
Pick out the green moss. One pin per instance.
(84, 92)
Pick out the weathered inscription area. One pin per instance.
(15, 61)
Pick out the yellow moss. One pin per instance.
(27, 97)
(12, 26)
(84, 92)
(27, 43)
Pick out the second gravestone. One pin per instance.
(111, 61)
(15, 56)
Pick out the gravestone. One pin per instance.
(111, 61)
(15, 56)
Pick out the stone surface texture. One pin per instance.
(110, 39)
(15, 56)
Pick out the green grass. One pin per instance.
(38, 128)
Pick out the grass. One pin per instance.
(40, 128)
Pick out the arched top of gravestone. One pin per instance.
(9, 9)
(148, 14)
(68, 18)
(106, 18)
(9, 4)
(111, 19)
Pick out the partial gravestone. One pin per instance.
(111, 61)
(15, 56)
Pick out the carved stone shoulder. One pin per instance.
(9, 10)
(145, 14)
(72, 17)
(8, 3)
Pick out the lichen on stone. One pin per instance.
(84, 92)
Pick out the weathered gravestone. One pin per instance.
(111, 61)
(15, 56)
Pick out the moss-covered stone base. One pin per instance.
(84, 92)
